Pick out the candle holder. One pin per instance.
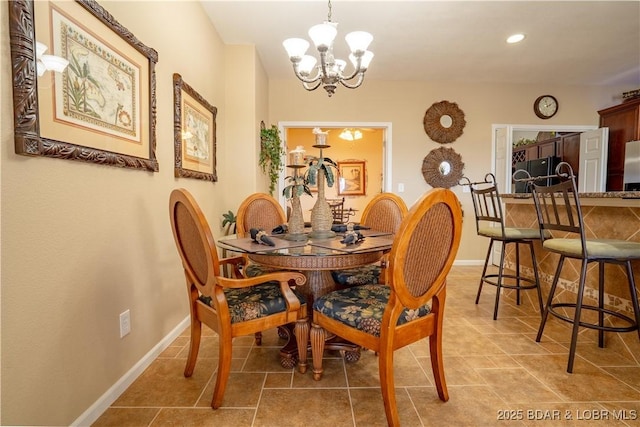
(321, 217)
(296, 220)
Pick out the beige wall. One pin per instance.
(404, 104)
(81, 243)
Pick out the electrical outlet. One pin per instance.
(401, 188)
(125, 323)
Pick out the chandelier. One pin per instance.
(351, 134)
(330, 70)
(45, 63)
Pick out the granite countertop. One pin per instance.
(607, 195)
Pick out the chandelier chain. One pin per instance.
(329, 14)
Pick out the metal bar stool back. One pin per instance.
(558, 210)
(490, 223)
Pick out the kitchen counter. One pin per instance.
(610, 215)
(610, 198)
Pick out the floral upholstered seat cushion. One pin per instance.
(254, 302)
(254, 270)
(369, 274)
(362, 307)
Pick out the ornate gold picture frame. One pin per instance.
(352, 178)
(194, 125)
(102, 107)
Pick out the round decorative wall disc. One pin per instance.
(444, 122)
(442, 168)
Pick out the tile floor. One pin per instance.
(496, 374)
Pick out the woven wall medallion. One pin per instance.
(442, 168)
(444, 122)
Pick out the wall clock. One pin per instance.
(444, 121)
(545, 106)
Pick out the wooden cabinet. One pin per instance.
(547, 148)
(568, 149)
(565, 146)
(623, 122)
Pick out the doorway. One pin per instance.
(503, 137)
(371, 147)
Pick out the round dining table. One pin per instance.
(315, 258)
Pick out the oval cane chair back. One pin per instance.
(384, 212)
(386, 318)
(424, 249)
(230, 307)
(259, 211)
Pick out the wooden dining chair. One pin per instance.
(410, 308)
(259, 210)
(340, 214)
(231, 307)
(385, 213)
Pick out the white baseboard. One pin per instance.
(102, 404)
(94, 411)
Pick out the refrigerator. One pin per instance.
(631, 180)
(537, 167)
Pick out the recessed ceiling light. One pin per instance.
(515, 38)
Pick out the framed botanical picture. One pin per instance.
(351, 178)
(194, 128)
(102, 107)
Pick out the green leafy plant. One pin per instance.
(229, 220)
(271, 153)
(320, 165)
(524, 141)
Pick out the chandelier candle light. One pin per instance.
(330, 70)
(45, 63)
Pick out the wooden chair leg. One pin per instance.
(301, 331)
(385, 367)
(194, 346)
(317, 350)
(224, 368)
(435, 350)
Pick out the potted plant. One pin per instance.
(271, 154)
(229, 220)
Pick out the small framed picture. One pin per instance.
(351, 178)
(194, 133)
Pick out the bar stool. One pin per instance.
(558, 209)
(490, 223)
